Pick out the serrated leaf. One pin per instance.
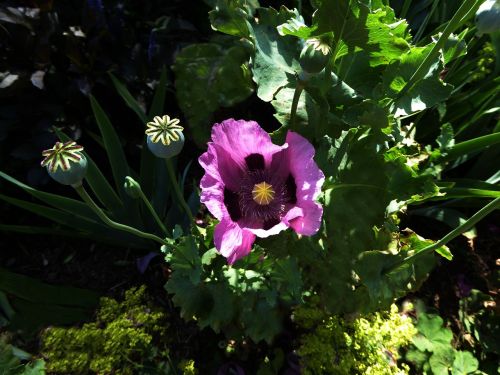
(424, 94)
(454, 47)
(295, 26)
(275, 60)
(231, 16)
(446, 139)
(356, 26)
(185, 259)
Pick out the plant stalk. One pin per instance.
(177, 190)
(153, 212)
(113, 224)
(295, 102)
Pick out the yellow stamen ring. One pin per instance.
(263, 193)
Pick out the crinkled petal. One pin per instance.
(241, 138)
(309, 222)
(232, 241)
(308, 177)
(212, 186)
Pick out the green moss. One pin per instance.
(187, 367)
(367, 345)
(122, 339)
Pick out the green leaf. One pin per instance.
(113, 146)
(258, 328)
(275, 62)
(445, 252)
(446, 139)
(129, 99)
(432, 335)
(295, 26)
(97, 229)
(210, 76)
(53, 304)
(464, 363)
(363, 176)
(356, 27)
(185, 259)
(77, 208)
(423, 94)
(231, 16)
(454, 47)
(441, 361)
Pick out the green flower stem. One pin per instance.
(177, 190)
(453, 24)
(489, 208)
(153, 212)
(113, 224)
(295, 102)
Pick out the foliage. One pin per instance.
(10, 361)
(481, 325)
(187, 367)
(122, 340)
(209, 76)
(21, 295)
(432, 351)
(232, 299)
(367, 344)
(392, 115)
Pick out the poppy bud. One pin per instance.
(315, 54)
(132, 188)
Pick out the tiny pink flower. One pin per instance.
(257, 188)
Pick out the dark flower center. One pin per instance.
(262, 196)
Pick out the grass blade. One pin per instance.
(113, 146)
(129, 99)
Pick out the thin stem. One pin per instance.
(153, 212)
(113, 224)
(177, 190)
(489, 208)
(295, 102)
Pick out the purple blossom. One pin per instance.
(257, 188)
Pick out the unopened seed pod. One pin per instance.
(314, 56)
(132, 188)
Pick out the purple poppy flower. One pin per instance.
(257, 188)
